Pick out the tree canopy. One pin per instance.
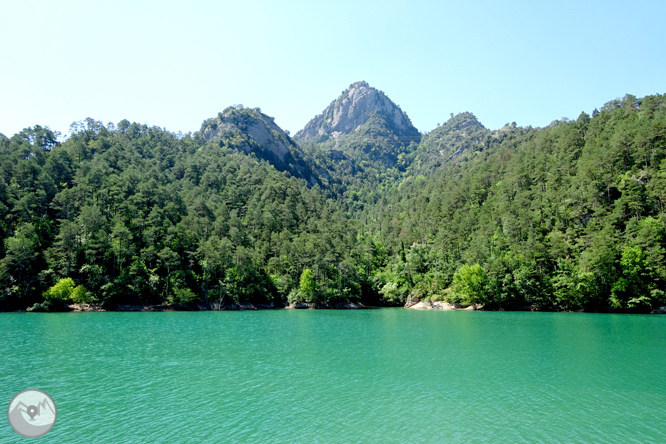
(570, 216)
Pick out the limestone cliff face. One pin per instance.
(351, 110)
(252, 131)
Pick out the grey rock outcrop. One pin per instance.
(351, 110)
(260, 127)
(252, 131)
(441, 305)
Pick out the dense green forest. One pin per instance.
(569, 217)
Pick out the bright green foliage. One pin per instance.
(391, 292)
(182, 296)
(80, 295)
(60, 292)
(469, 285)
(307, 285)
(630, 290)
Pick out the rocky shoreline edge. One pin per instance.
(410, 305)
(446, 306)
(231, 307)
(440, 305)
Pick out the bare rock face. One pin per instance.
(252, 131)
(352, 109)
(258, 126)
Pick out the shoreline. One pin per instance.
(88, 308)
(446, 306)
(410, 305)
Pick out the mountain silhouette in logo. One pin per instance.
(28, 429)
(41, 405)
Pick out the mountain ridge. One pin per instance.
(567, 217)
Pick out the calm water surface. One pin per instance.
(376, 376)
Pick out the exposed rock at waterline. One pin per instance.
(441, 305)
(313, 306)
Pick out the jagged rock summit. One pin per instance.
(461, 134)
(355, 106)
(250, 130)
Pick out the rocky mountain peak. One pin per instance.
(251, 131)
(352, 109)
(464, 120)
(258, 126)
(461, 133)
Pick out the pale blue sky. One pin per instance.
(175, 63)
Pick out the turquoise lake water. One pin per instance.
(375, 376)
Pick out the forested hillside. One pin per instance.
(570, 216)
(459, 134)
(137, 215)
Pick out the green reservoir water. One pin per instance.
(370, 376)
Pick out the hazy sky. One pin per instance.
(176, 63)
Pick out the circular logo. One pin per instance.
(32, 413)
